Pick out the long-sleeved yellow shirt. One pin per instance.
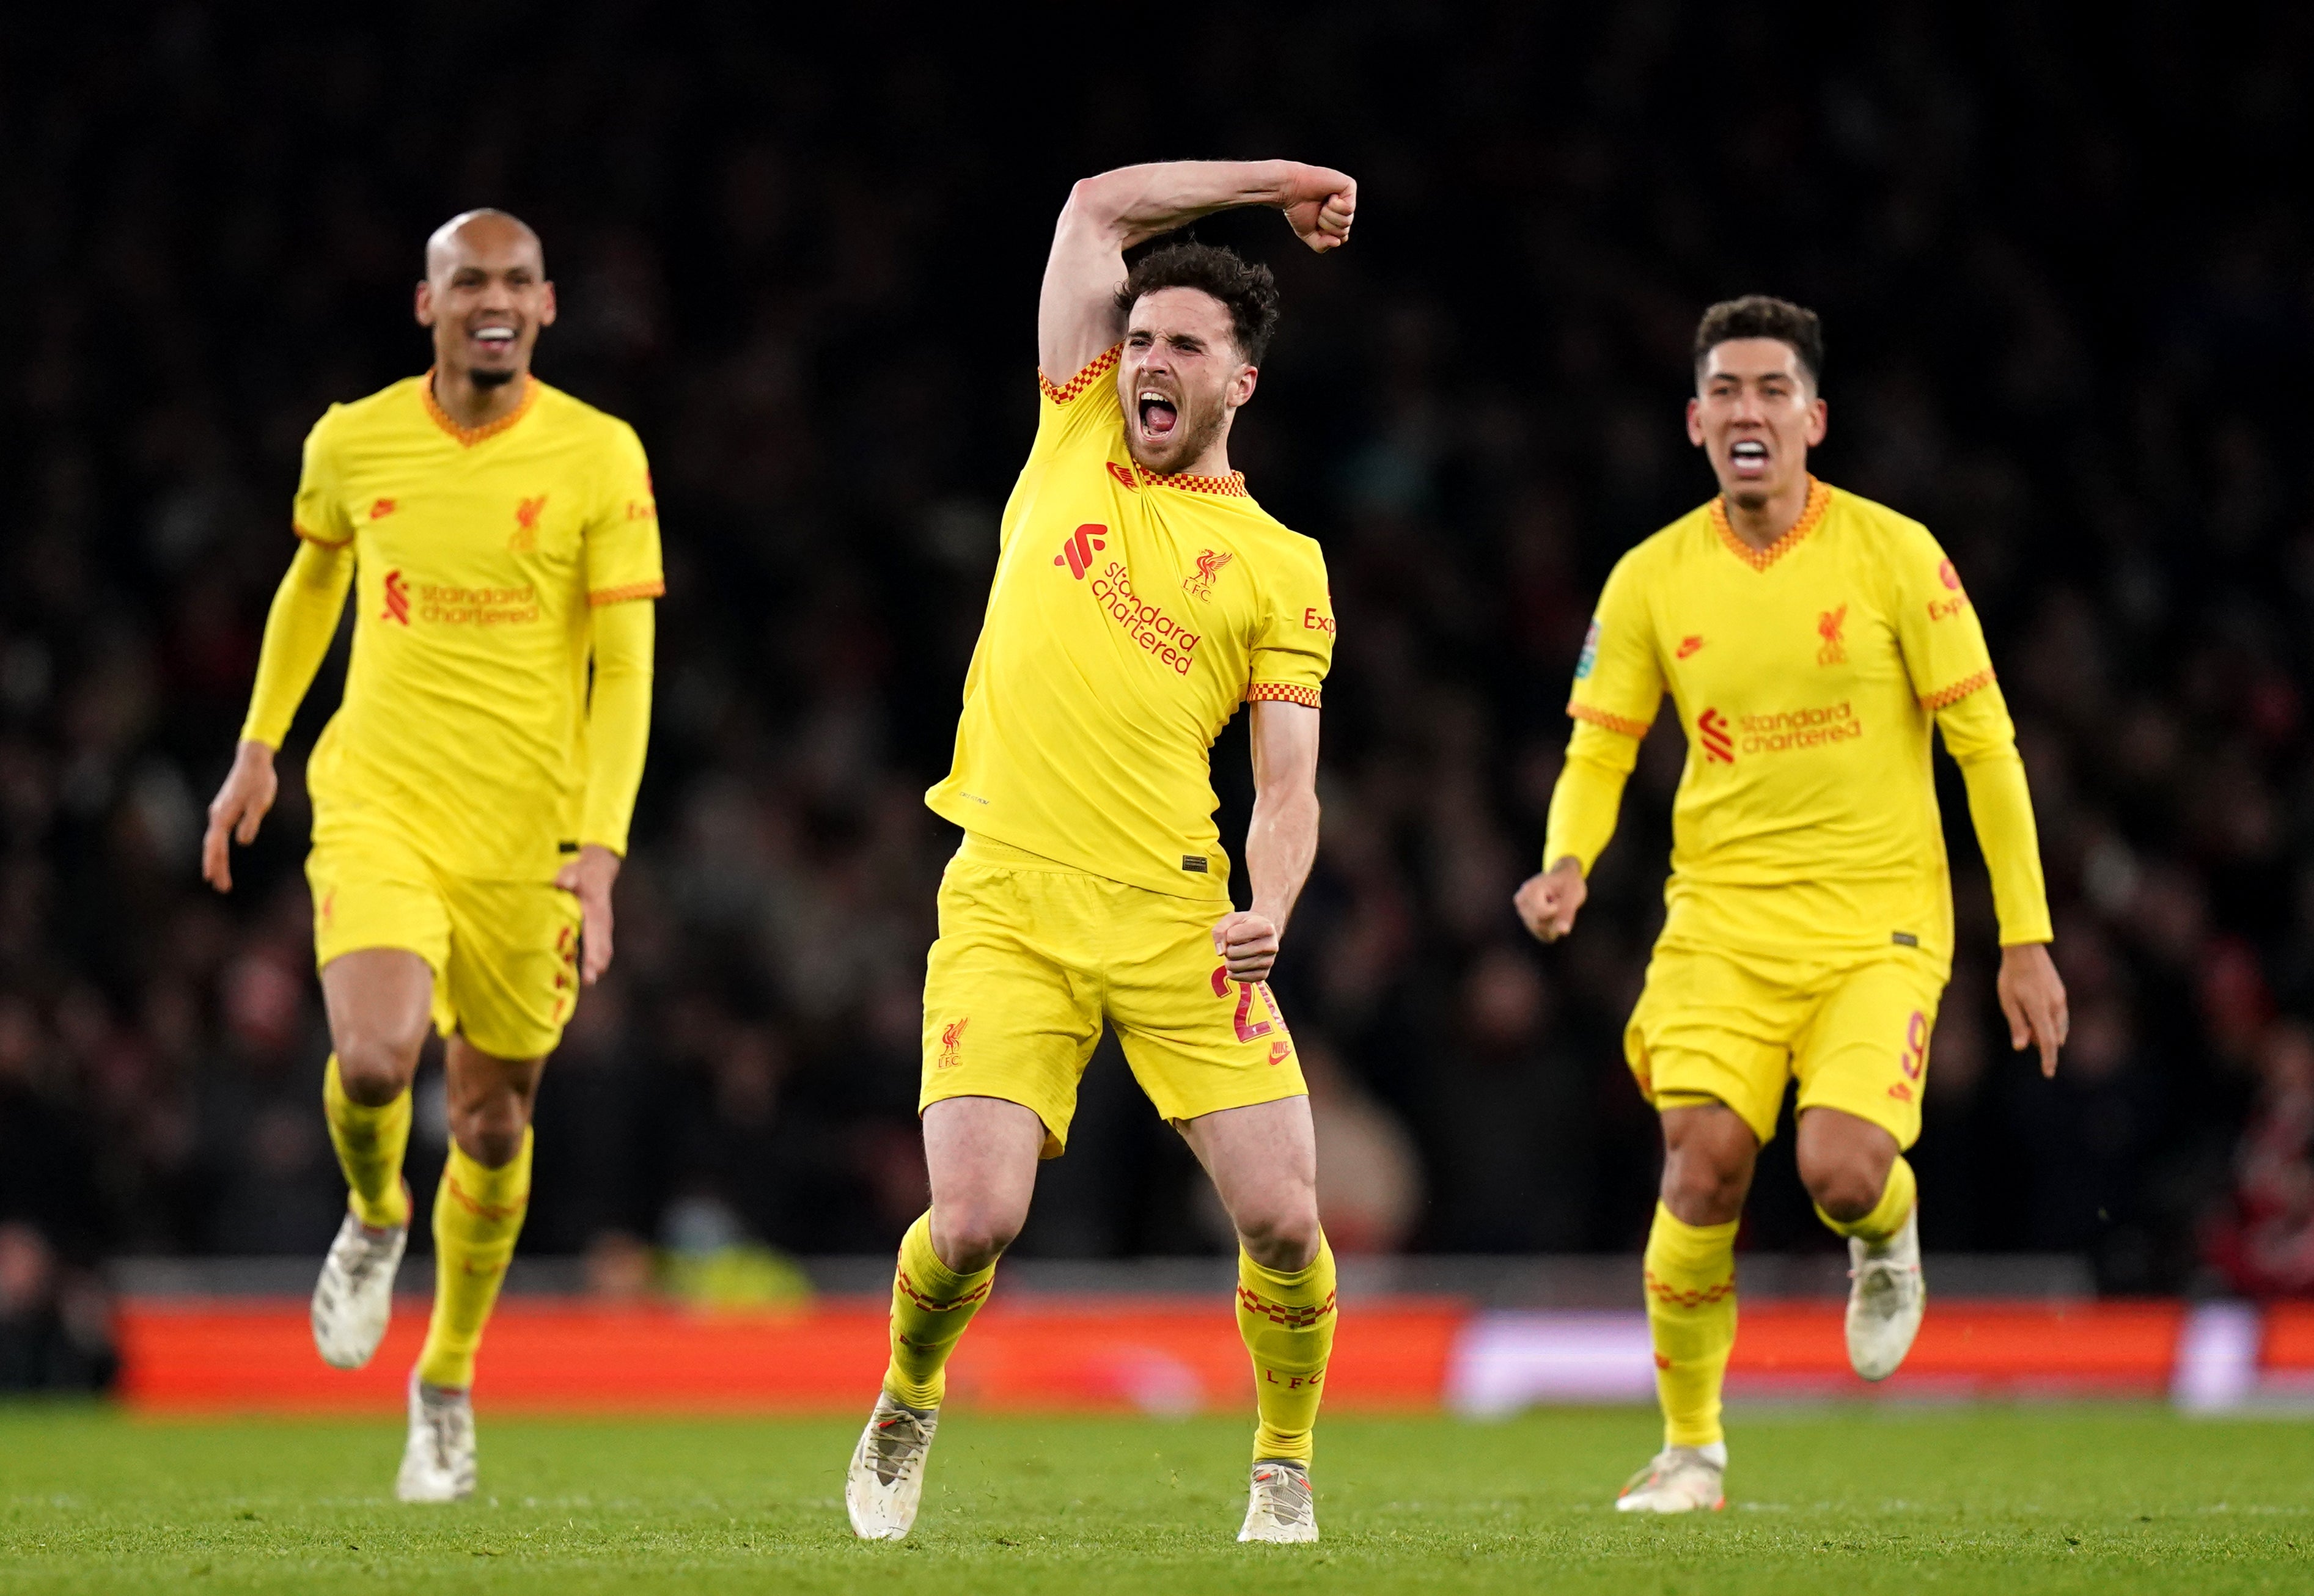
(490, 567)
(1808, 677)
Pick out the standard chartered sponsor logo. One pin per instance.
(448, 606)
(1797, 728)
(1165, 639)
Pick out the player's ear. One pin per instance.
(423, 309)
(1819, 418)
(546, 304)
(1241, 386)
(1695, 422)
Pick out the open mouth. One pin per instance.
(496, 339)
(1158, 415)
(1748, 455)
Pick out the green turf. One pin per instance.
(1838, 1499)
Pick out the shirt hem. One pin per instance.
(1216, 886)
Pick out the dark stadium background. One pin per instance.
(2069, 287)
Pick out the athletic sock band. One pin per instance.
(1691, 1281)
(478, 1213)
(931, 1304)
(370, 1143)
(1286, 1320)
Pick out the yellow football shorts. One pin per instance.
(1735, 1026)
(504, 953)
(1034, 955)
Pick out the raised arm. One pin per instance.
(1077, 316)
(1282, 839)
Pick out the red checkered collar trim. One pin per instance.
(1231, 486)
(1819, 500)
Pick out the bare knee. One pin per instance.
(375, 1067)
(1846, 1185)
(490, 1132)
(1709, 1153)
(971, 1233)
(1282, 1235)
(1843, 1162)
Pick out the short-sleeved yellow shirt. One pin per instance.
(1806, 676)
(481, 556)
(1131, 614)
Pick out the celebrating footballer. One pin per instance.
(1140, 596)
(1811, 641)
(470, 796)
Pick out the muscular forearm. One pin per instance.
(1280, 845)
(1135, 204)
(618, 721)
(298, 628)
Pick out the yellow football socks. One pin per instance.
(1287, 1321)
(477, 1215)
(931, 1304)
(370, 1143)
(1889, 1215)
(1691, 1277)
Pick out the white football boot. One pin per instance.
(886, 1480)
(354, 1298)
(438, 1465)
(1886, 1298)
(1678, 1479)
(1282, 1507)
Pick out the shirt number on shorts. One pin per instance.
(1248, 1028)
(1916, 1045)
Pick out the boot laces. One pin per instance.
(1284, 1491)
(897, 1439)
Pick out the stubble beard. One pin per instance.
(490, 376)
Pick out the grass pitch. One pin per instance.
(1837, 1499)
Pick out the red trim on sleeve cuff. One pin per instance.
(1283, 692)
(1607, 721)
(1944, 698)
(1062, 393)
(619, 595)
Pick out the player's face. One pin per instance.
(1181, 378)
(1756, 414)
(485, 296)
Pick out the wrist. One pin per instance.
(256, 750)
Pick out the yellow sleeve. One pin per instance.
(1589, 792)
(1979, 734)
(320, 514)
(622, 548)
(297, 633)
(1936, 628)
(1619, 683)
(618, 720)
(1295, 648)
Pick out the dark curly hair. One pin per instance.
(1762, 315)
(1247, 291)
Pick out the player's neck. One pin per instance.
(1781, 512)
(471, 404)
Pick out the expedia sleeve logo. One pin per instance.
(1589, 660)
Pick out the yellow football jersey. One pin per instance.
(479, 556)
(1130, 615)
(1808, 677)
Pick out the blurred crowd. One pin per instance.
(2070, 308)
